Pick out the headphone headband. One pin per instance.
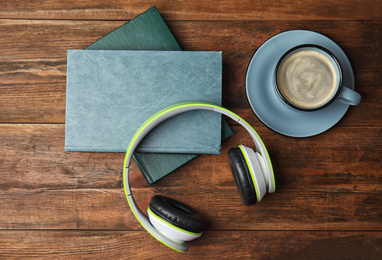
(158, 118)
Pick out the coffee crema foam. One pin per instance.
(308, 79)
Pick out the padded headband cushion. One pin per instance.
(242, 176)
(177, 214)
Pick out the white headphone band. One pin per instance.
(158, 118)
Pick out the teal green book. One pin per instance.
(148, 31)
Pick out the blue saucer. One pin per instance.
(263, 97)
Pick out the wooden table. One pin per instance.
(328, 204)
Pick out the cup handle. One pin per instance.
(348, 96)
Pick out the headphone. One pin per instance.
(174, 223)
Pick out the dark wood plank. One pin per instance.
(107, 209)
(336, 188)
(212, 245)
(33, 61)
(351, 163)
(33, 157)
(195, 10)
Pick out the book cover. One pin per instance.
(147, 31)
(110, 93)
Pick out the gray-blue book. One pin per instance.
(111, 93)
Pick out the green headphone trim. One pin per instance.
(177, 228)
(160, 240)
(148, 122)
(250, 170)
(185, 104)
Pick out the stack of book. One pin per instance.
(119, 81)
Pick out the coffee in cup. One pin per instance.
(309, 77)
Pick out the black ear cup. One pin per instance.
(242, 176)
(177, 214)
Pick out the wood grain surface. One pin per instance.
(54, 204)
(194, 10)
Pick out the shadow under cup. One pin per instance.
(309, 78)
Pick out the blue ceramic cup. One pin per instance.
(309, 78)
